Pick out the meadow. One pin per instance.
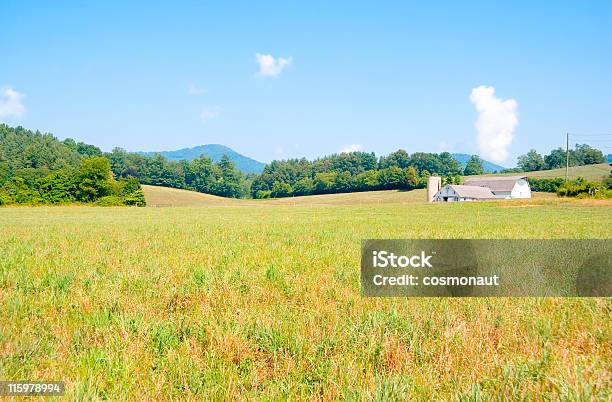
(261, 300)
(595, 172)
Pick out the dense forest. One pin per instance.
(38, 168)
(200, 174)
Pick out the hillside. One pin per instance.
(158, 196)
(589, 172)
(170, 197)
(214, 152)
(489, 167)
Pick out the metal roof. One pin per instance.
(477, 192)
(500, 183)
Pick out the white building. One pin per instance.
(503, 186)
(485, 188)
(456, 192)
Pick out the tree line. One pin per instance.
(357, 171)
(38, 168)
(200, 174)
(582, 154)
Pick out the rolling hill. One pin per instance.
(214, 152)
(590, 172)
(170, 197)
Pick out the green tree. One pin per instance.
(531, 161)
(399, 158)
(94, 179)
(324, 182)
(280, 189)
(587, 155)
(88, 150)
(556, 159)
(200, 175)
(474, 166)
(304, 186)
(412, 177)
(393, 178)
(607, 182)
(229, 184)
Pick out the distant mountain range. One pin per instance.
(249, 165)
(489, 167)
(214, 152)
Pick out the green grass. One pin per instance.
(590, 172)
(262, 302)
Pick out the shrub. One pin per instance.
(263, 194)
(583, 189)
(135, 198)
(547, 185)
(110, 201)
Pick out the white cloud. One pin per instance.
(279, 150)
(497, 119)
(271, 67)
(11, 104)
(352, 148)
(209, 113)
(195, 90)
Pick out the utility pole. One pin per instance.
(566, 155)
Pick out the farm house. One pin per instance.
(482, 188)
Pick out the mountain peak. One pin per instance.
(214, 152)
(489, 167)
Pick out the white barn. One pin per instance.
(485, 188)
(456, 192)
(503, 186)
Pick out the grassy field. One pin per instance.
(171, 197)
(589, 172)
(165, 197)
(253, 300)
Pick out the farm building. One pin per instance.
(503, 186)
(456, 192)
(484, 188)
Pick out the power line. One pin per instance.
(590, 135)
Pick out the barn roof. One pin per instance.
(472, 191)
(499, 183)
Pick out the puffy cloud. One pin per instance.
(497, 119)
(11, 103)
(352, 148)
(208, 113)
(270, 66)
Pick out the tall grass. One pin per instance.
(243, 302)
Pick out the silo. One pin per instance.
(434, 184)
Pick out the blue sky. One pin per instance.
(376, 76)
